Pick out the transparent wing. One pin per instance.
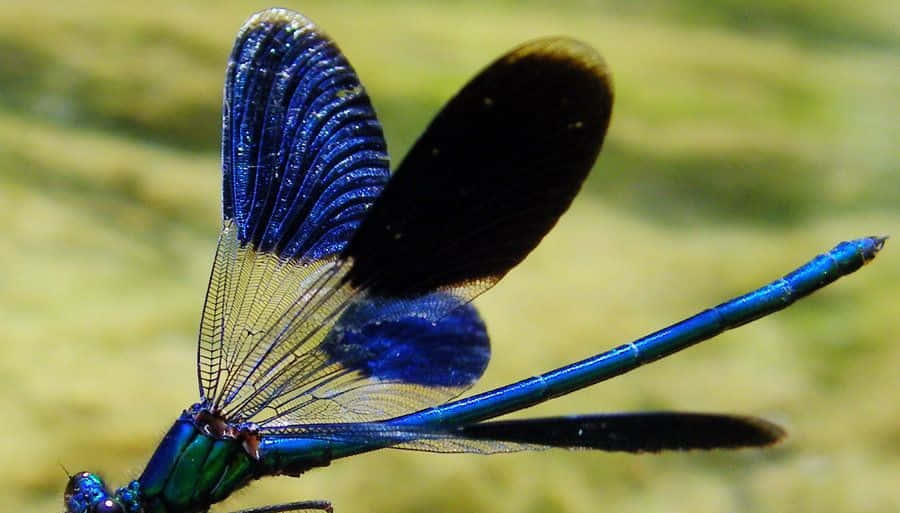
(381, 358)
(323, 309)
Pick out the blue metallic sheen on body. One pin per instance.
(186, 471)
(84, 491)
(295, 455)
(130, 497)
(334, 441)
(845, 258)
(87, 493)
(159, 468)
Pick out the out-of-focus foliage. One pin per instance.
(745, 138)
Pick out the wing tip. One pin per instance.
(563, 47)
(767, 433)
(569, 50)
(278, 16)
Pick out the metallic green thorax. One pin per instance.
(191, 470)
(201, 460)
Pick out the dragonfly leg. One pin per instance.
(292, 507)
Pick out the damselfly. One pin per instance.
(338, 317)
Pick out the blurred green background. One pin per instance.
(746, 137)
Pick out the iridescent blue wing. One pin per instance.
(381, 358)
(302, 152)
(486, 181)
(382, 327)
(303, 159)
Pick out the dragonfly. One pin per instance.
(338, 316)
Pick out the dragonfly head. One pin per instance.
(86, 493)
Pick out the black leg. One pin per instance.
(292, 507)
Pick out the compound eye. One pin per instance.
(84, 493)
(108, 506)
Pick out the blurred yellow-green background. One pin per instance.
(746, 137)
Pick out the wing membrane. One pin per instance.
(283, 338)
(632, 432)
(264, 323)
(382, 358)
(328, 305)
(490, 176)
(623, 432)
(303, 153)
(303, 158)
(310, 349)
